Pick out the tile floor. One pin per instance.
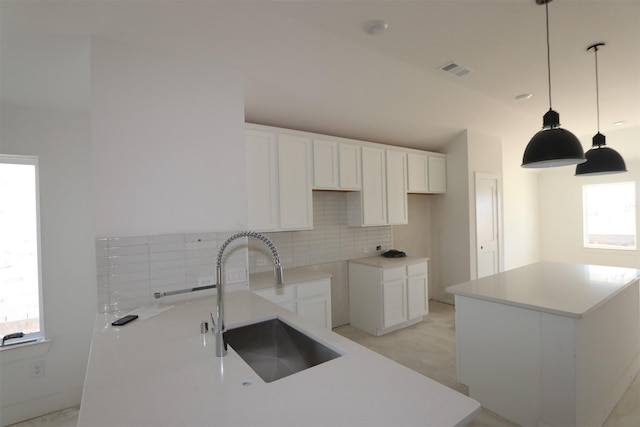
(65, 418)
(428, 348)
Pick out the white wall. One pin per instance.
(168, 141)
(450, 223)
(62, 142)
(561, 210)
(520, 208)
(162, 151)
(453, 214)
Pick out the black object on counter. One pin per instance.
(393, 253)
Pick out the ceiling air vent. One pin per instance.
(456, 69)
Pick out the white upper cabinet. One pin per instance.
(396, 187)
(437, 173)
(383, 198)
(284, 166)
(350, 162)
(279, 181)
(294, 173)
(336, 165)
(262, 181)
(418, 168)
(369, 206)
(426, 173)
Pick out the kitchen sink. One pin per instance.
(274, 350)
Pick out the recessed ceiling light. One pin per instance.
(618, 123)
(524, 96)
(375, 27)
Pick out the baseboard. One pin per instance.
(41, 406)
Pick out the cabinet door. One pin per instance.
(417, 296)
(295, 179)
(317, 309)
(396, 170)
(417, 173)
(325, 164)
(374, 187)
(437, 174)
(349, 169)
(262, 180)
(394, 306)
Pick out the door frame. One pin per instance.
(474, 235)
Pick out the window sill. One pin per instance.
(24, 351)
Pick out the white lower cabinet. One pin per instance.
(310, 300)
(387, 294)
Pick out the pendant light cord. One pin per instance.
(546, 6)
(597, 90)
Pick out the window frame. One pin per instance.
(585, 222)
(38, 336)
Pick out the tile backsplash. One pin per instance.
(331, 240)
(131, 269)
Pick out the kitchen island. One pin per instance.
(163, 372)
(549, 344)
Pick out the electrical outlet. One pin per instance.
(365, 250)
(261, 262)
(37, 369)
(206, 281)
(235, 276)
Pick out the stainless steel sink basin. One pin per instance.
(275, 350)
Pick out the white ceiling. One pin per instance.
(310, 66)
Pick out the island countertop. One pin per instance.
(571, 290)
(162, 372)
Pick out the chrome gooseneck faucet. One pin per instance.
(218, 323)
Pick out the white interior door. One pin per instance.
(487, 224)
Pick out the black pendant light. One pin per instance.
(552, 146)
(601, 160)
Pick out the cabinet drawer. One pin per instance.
(314, 288)
(393, 273)
(277, 295)
(417, 269)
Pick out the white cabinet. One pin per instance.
(279, 181)
(336, 165)
(396, 174)
(437, 173)
(426, 173)
(383, 198)
(387, 294)
(310, 300)
(350, 162)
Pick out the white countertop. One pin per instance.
(163, 372)
(382, 262)
(290, 276)
(571, 290)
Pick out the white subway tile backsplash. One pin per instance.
(116, 242)
(330, 240)
(124, 251)
(131, 269)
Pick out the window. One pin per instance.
(610, 216)
(20, 278)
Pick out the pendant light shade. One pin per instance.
(552, 146)
(601, 160)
